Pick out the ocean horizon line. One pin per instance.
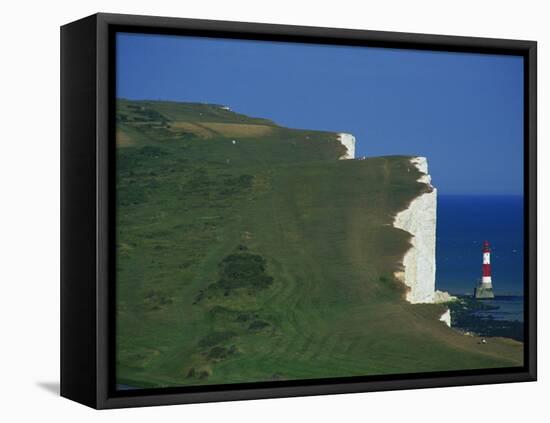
(480, 195)
(471, 294)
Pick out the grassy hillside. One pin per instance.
(247, 252)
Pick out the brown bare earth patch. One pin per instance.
(194, 128)
(123, 139)
(239, 129)
(211, 129)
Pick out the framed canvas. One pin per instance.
(247, 211)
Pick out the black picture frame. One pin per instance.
(87, 209)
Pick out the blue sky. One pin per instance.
(463, 111)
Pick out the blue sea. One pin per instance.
(507, 307)
(463, 223)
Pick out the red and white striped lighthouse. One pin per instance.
(486, 269)
(485, 287)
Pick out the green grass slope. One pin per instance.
(247, 252)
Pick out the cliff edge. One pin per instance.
(348, 141)
(419, 219)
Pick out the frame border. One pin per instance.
(106, 25)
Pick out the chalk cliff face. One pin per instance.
(348, 141)
(446, 318)
(419, 219)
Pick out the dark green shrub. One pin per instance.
(258, 325)
(215, 338)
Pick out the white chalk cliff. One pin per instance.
(446, 318)
(348, 141)
(419, 219)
